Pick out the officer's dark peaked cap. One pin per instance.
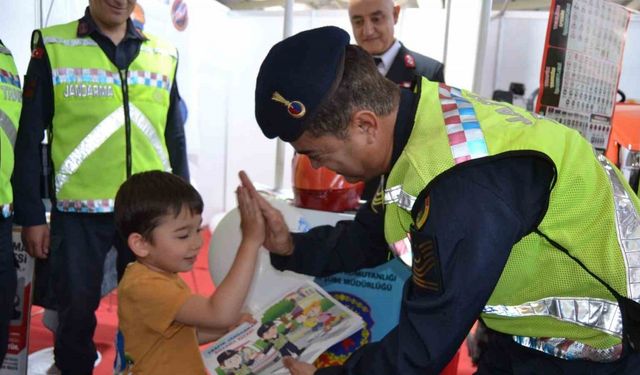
(295, 77)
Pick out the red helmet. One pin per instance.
(322, 189)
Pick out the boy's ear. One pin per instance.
(138, 245)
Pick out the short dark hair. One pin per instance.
(361, 87)
(144, 198)
(265, 327)
(222, 357)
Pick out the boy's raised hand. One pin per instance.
(278, 238)
(251, 219)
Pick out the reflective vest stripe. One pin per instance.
(4, 50)
(8, 128)
(73, 75)
(100, 134)
(101, 76)
(463, 130)
(82, 42)
(142, 122)
(9, 78)
(570, 349)
(70, 42)
(140, 77)
(399, 197)
(590, 312)
(627, 230)
(595, 313)
(159, 51)
(466, 141)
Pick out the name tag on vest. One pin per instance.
(82, 90)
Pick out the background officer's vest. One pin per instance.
(98, 109)
(543, 298)
(10, 106)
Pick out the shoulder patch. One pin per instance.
(423, 214)
(409, 61)
(37, 53)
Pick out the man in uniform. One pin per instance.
(373, 24)
(10, 103)
(106, 93)
(505, 215)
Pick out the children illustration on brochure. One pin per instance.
(302, 324)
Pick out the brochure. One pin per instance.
(302, 323)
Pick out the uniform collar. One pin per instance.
(87, 26)
(387, 57)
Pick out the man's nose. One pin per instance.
(368, 28)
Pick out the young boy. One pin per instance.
(159, 215)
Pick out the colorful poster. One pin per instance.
(375, 294)
(581, 65)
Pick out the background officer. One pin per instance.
(491, 201)
(10, 104)
(108, 97)
(373, 23)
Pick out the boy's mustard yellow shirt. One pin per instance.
(148, 302)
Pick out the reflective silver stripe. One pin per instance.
(570, 349)
(70, 42)
(399, 197)
(159, 51)
(4, 50)
(591, 312)
(143, 123)
(88, 145)
(628, 230)
(595, 313)
(8, 128)
(101, 133)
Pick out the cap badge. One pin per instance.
(295, 108)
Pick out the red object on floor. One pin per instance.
(200, 282)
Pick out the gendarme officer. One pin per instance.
(107, 95)
(504, 215)
(10, 105)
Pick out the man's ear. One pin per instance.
(396, 13)
(138, 244)
(367, 123)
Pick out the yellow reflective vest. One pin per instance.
(543, 298)
(107, 123)
(10, 106)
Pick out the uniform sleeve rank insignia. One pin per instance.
(425, 268)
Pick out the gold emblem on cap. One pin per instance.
(295, 108)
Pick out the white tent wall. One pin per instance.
(515, 44)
